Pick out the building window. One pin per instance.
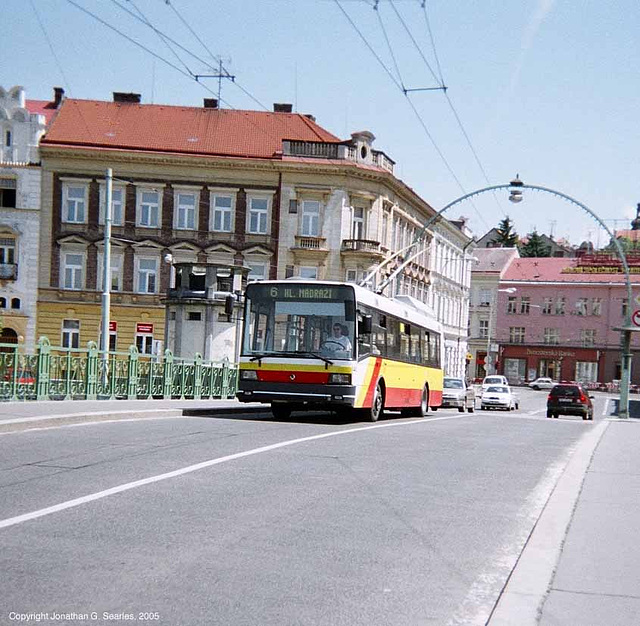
(74, 203)
(194, 316)
(485, 297)
(596, 306)
(144, 343)
(560, 306)
(586, 371)
(186, 214)
(551, 336)
(512, 304)
(147, 275)
(118, 195)
(581, 306)
(516, 334)
(525, 303)
(7, 250)
(148, 214)
(257, 216)
(3, 303)
(7, 139)
(484, 329)
(588, 337)
(15, 303)
(8, 193)
(358, 223)
(385, 228)
(547, 307)
(222, 206)
(309, 272)
(310, 218)
(258, 271)
(116, 272)
(70, 333)
(73, 271)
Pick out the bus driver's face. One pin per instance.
(337, 331)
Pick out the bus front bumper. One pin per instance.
(334, 395)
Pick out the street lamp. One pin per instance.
(488, 359)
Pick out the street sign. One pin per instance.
(635, 317)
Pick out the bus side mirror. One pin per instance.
(364, 326)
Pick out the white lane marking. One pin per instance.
(69, 504)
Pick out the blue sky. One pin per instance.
(548, 89)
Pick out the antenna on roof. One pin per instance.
(222, 73)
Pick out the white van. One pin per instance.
(494, 379)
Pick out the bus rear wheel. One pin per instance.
(377, 405)
(423, 409)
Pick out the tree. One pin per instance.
(535, 246)
(506, 236)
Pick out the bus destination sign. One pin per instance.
(303, 292)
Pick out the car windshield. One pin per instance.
(453, 383)
(492, 381)
(498, 390)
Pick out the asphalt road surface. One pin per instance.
(244, 520)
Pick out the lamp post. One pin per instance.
(488, 359)
(106, 266)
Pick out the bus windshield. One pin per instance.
(299, 319)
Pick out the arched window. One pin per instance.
(3, 303)
(15, 303)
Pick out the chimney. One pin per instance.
(58, 95)
(119, 96)
(210, 103)
(310, 117)
(282, 108)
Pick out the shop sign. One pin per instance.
(113, 327)
(144, 329)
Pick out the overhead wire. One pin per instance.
(386, 37)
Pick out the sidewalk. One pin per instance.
(581, 564)
(22, 415)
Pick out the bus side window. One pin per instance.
(426, 348)
(393, 338)
(415, 344)
(405, 337)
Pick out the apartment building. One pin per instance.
(270, 191)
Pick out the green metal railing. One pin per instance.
(55, 373)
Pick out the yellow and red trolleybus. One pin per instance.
(338, 346)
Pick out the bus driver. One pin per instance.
(339, 341)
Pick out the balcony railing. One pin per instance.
(360, 245)
(8, 271)
(310, 243)
(313, 149)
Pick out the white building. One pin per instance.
(22, 123)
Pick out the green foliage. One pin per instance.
(506, 236)
(535, 247)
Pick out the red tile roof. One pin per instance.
(190, 130)
(566, 270)
(43, 107)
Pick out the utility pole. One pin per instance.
(106, 267)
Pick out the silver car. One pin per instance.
(499, 397)
(456, 393)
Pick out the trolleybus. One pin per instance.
(338, 346)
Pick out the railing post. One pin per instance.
(224, 391)
(197, 377)
(43, 375)
(14, 375)
(167, 374)
(92, 371)
(67, 377)
(132, 371)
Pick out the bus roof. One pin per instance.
(403, 306)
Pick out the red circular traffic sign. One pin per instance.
(635, 317)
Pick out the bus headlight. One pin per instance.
(248, 375)
(339, 379)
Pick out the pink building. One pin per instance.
(560, 322)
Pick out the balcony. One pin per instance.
(306, 247)
(8, 271)
(311, 149)
(362, 247)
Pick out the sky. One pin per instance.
(546, 89)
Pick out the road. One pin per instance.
(244, 520)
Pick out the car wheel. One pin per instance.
(536, 387)
(549, 414)
(434, 408)
(460, 409)
(555, 415)
(517, 406)
(471, 409)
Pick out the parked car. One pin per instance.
(569, 398)
(542, 383)
(456, 393)
(499, 397)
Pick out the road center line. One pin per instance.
(70, 504)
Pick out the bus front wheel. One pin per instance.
(280, 411)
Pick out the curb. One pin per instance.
(526, 589)
(47, 421)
